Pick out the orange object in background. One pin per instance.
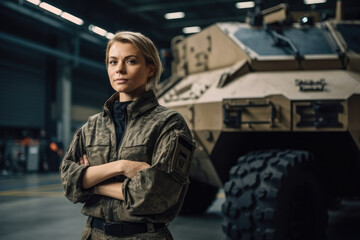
(26, 141)
(53, 146)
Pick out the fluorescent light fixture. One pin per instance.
(109, 35)
(97, 30)
(50, 8)
(35, 2)
(242, 5)
(314, 1)
(174, 15)
(72, 18)
(193, 29)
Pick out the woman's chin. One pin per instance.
(119, 89)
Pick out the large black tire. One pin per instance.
(198, 198)
(274, 195)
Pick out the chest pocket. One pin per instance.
(98, 144)
(140, 153)
(98, 154)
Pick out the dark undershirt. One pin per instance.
(120, 119)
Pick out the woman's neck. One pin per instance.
(130, 96)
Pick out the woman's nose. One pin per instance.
(120, 68)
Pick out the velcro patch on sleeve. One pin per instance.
(181, 160)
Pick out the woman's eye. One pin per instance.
(131, 61)
(112, 62)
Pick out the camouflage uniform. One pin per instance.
(154, 134)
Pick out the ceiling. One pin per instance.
(147, 16)
(31, 31)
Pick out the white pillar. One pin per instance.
(63, 96)
(65, 105)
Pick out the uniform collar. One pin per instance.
(146, 102)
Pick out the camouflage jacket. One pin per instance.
(153, 134)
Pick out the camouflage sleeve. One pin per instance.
(72, 172)
(158, 188)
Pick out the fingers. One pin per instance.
(86, 160)
(132, 168)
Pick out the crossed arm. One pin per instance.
(97, 174)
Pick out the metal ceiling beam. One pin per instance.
(175, 5)
(50, 51)
(52, 22)
(202, 22)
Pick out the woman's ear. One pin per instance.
(151, 70)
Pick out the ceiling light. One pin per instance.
(242, 5)
(97, 30)
(50, 8)
(35, 2)
(174, 15)
(72, 18)
(314, 1)
(109, 35)
(193, 29)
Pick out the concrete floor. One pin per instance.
(32, 206)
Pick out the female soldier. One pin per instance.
(130, 163)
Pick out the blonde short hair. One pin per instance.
(145, 46)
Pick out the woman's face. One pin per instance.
(127, 70)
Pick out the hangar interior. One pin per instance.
(52, 66)
(53, 77)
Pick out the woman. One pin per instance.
(130, 163)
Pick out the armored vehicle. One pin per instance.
(274, 105)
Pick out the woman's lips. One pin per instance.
(121, 80)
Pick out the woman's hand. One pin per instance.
(126, 167)
(97, 174)
(131, 168)
(84, 160)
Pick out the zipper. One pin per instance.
(119, 148)
(112, 126)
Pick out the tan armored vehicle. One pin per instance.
(275, 111)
